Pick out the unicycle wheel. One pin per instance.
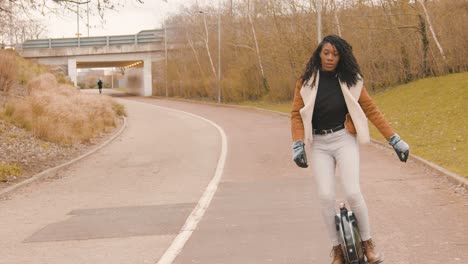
(350, 238)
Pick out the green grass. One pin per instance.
(9, 170)
(283, 107)
(429, 114)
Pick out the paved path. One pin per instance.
(123, 204)
(126, 203)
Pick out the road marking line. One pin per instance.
(197, 214)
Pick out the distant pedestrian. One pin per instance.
(99, 84)
(329, 114)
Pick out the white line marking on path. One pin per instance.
(197, 214)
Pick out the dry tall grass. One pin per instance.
(60, 113)
(8, 71)
(21, 71)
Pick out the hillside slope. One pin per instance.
(44, 120)
(430, 114)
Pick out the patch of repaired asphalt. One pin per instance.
(116, 222)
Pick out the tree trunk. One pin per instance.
(208, 48)
(441, 50)
(192, 47)
(391, 18)
(425, 43)
(259, 58)
(337, 21)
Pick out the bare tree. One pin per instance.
(273, 39)
(257, 52)
(206, 40)
(57, 6)
(425, 44)
(431, 28)
(17, 12)
(337, 21)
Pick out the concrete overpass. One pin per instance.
(136, 52)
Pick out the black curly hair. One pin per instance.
(347, 69)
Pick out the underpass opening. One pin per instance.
(125, 75)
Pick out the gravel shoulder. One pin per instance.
(34, 155)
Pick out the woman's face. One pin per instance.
(329, 57)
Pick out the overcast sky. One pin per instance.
(130, 19)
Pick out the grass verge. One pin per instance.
(430, 114)
(281, 107)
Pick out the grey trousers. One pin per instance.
(327, 152)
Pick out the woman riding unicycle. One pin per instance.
(329, 114)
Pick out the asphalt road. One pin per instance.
(128, 202)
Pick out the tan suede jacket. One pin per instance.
(360, 107)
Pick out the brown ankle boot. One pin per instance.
(337, 254)
(373, 257)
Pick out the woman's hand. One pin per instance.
(400, 146)
(299, 154)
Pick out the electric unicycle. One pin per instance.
(350, 239)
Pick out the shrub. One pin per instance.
(9, 170)
(28, 70)
(119, 109)
(59, 113)
(62, 78)
(8, 71)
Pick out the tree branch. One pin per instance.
(71, 1)
(240, 46)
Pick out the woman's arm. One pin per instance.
(374, 115)
(297, 127)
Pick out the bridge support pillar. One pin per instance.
(147, 78)
(72, 72)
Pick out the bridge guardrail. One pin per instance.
(145, 36)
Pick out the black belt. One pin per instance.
(328, 131)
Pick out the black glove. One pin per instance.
(299, 154)
(401, 147)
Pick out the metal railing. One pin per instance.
(145, 36)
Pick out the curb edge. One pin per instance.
(50, 171)
(453, 177)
